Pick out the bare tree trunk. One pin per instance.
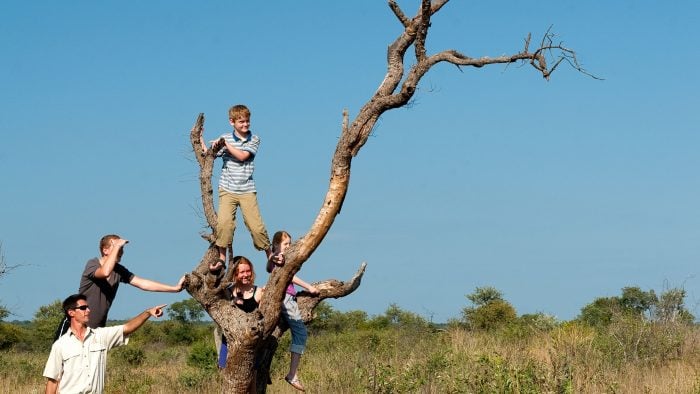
(253, 337)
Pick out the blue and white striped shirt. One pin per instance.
(237, 176)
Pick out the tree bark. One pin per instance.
(253, 337)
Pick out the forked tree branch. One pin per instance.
(395, 91)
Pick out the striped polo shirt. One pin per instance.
(237, 176)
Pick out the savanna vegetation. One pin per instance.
(636, 342)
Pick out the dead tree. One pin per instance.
(252, 337)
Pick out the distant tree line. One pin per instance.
(634, 308)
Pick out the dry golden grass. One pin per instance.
(569, 359)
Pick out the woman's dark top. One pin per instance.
(249, 304)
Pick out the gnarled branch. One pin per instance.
(387, 97)
(330, 288)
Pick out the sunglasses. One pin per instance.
(82, 307)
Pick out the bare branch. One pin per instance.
(422, 29)
(331, 288)
(4, 268)
(527, 41)
(205, 159)
(387, 97)
(436, 5)
(558, 53)
(399, 14)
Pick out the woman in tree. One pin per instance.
(245, 295)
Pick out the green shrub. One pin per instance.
(44, 325)
(399, 318)
(528, 325)
(10, 335)
(629, 339)
(186, 311)
(635, 303)
(495, 314)
(328, 319)
(178, 333)
(490, 310)
(129, 355)
(202, 356)
(541, 322)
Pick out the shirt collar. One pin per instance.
(88, 331)
(235, 137)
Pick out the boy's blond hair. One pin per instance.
(238, 111)
(106, 242)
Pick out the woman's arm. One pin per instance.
(310, 288)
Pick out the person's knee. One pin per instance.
(224, 233)
(299, 334)
(299, 349)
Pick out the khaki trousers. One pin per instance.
(226, 225)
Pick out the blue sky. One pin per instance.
(553, 192)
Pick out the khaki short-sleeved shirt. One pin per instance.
(80, 366)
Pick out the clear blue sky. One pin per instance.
(553, 192)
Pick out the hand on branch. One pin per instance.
(181, 283)
(275, 259)
(313, 290)
(216, 145)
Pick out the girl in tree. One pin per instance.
(290, 310)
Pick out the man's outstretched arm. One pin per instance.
(134, 324)
(151, 285)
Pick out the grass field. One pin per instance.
(569, 358)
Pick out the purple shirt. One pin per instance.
(291, 290)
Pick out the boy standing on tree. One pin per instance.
(236, 185)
